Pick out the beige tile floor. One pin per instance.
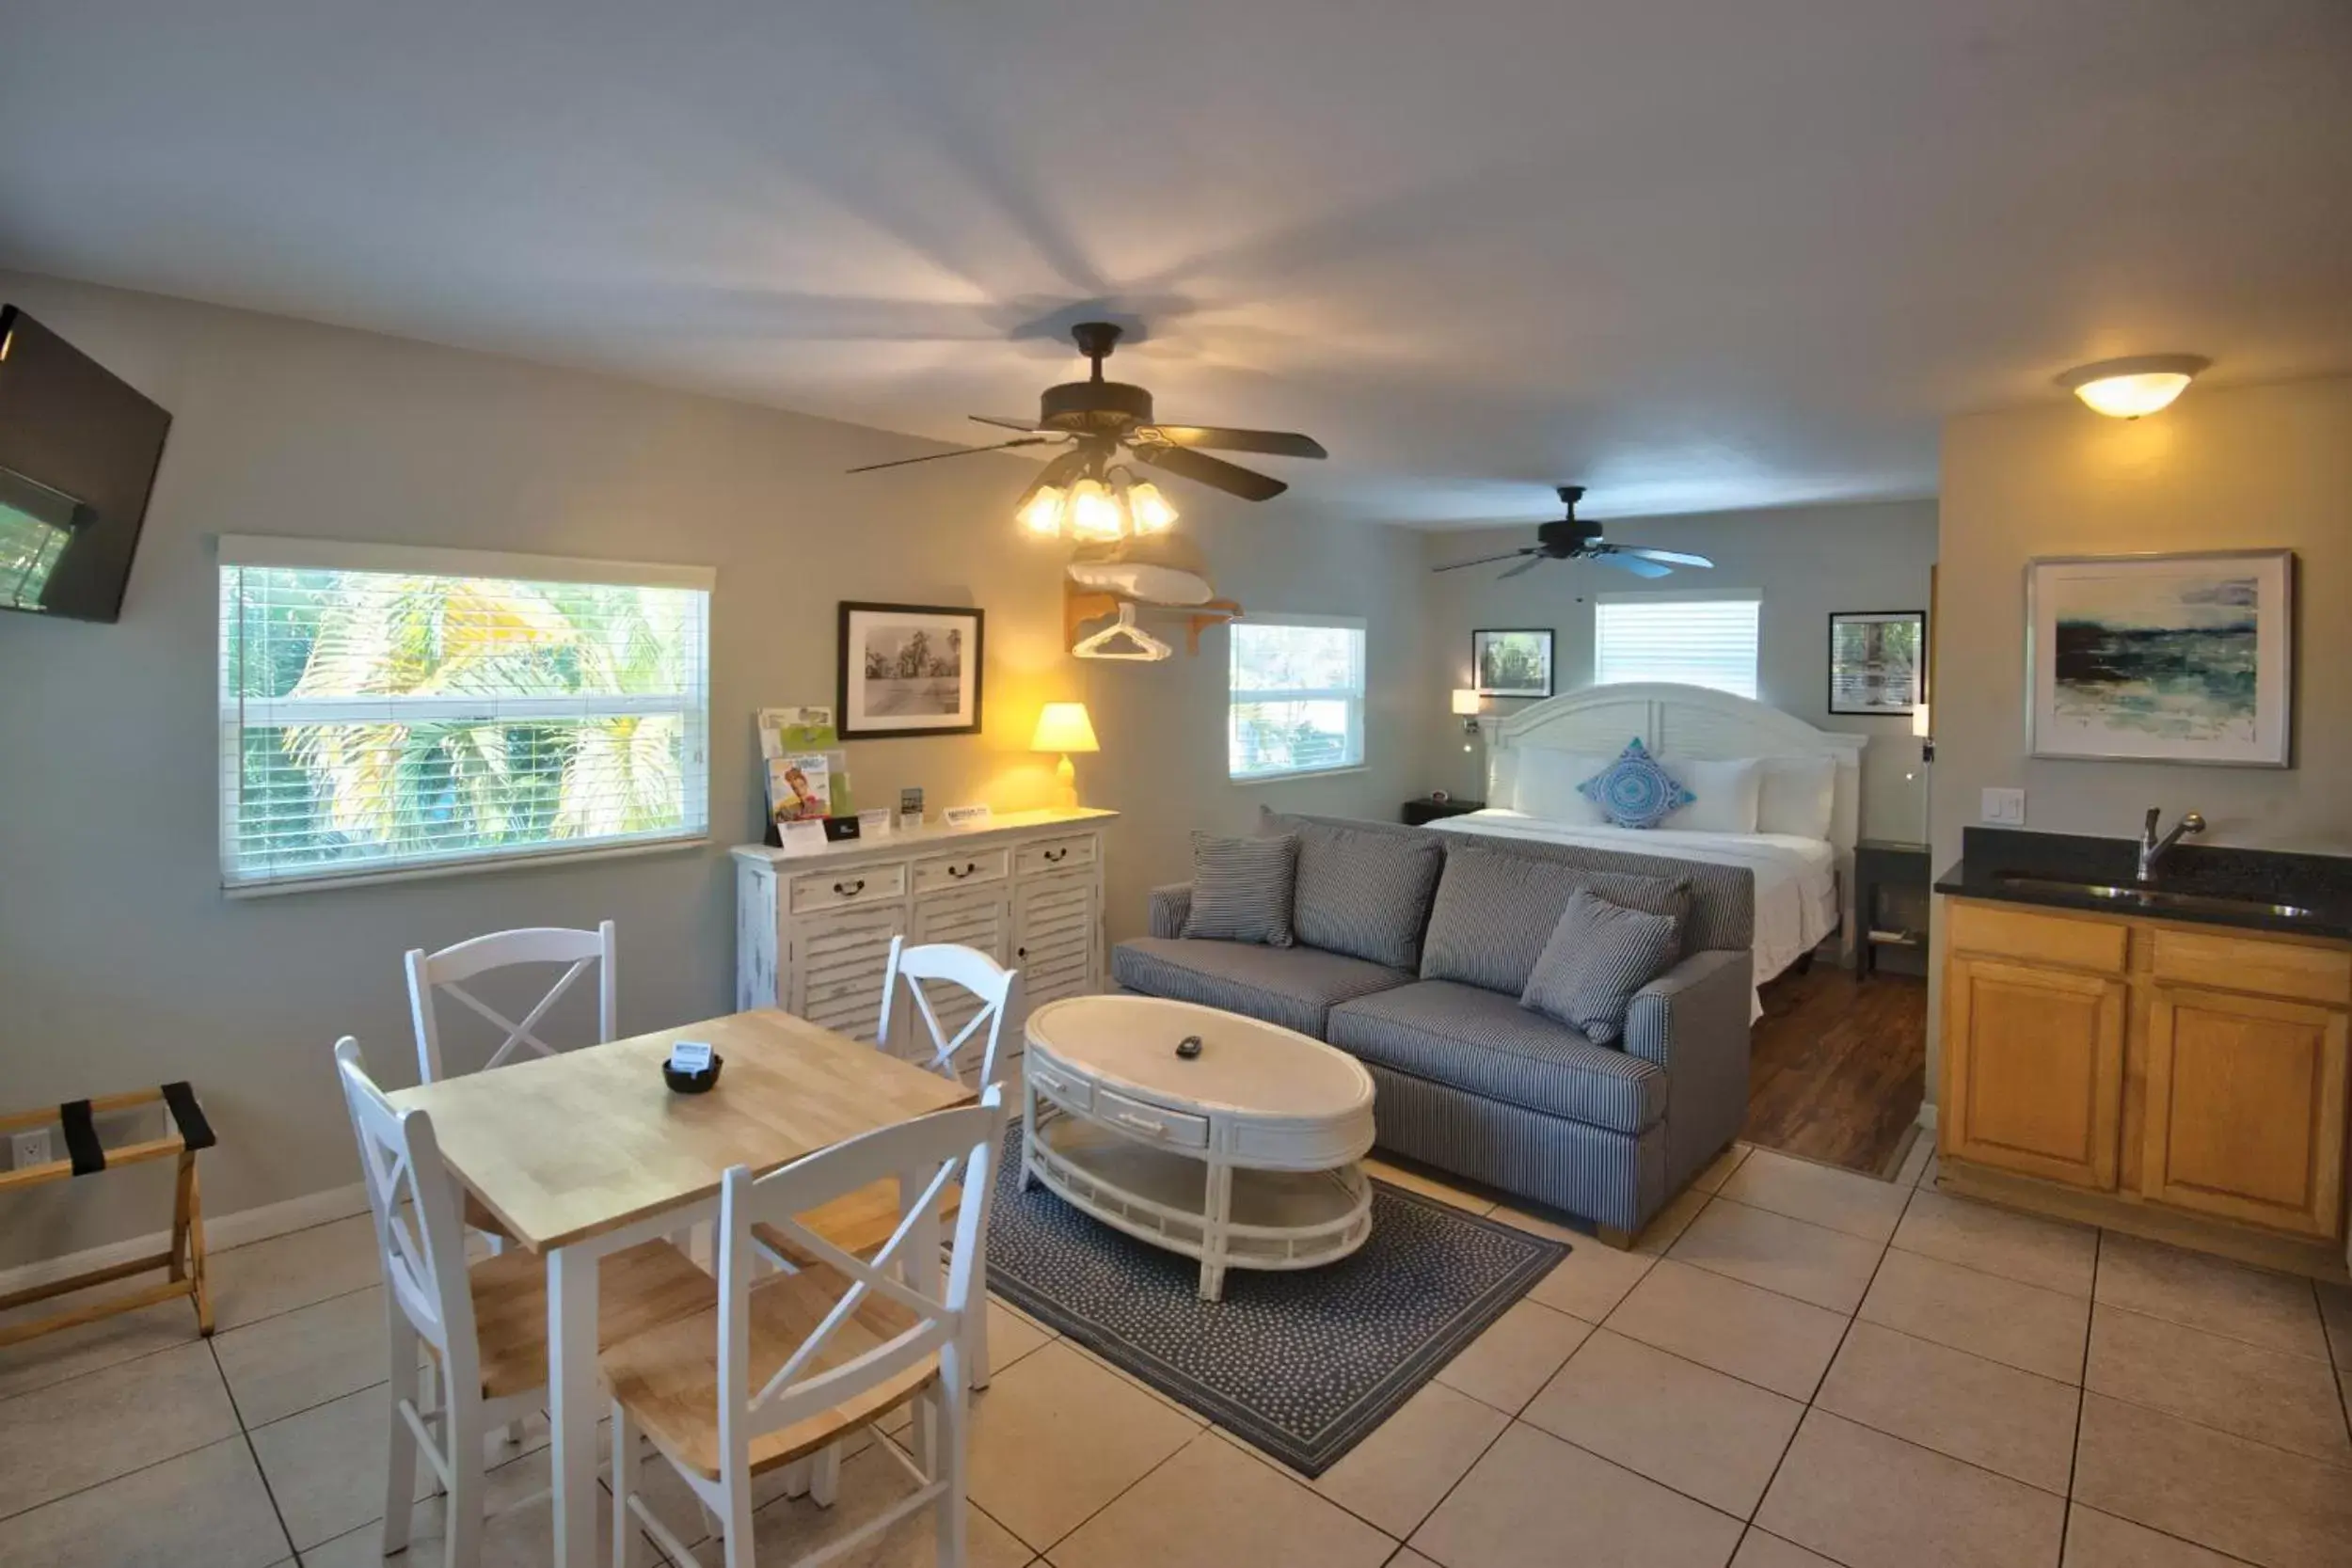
(1796, 1366)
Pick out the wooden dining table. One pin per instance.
(582, 1154)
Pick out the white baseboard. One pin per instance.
(221, 1231)
(1927, 1114)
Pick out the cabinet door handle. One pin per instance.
(849, 889)
(1054, 856)
(1020, 952)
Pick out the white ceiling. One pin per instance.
(1693, 253)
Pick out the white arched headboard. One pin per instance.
(1697, 722)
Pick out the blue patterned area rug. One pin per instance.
(1303, 1364)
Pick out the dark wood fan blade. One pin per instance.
(1062, 470)
(1213, 438)
(1214, 472)
(1608, 555)
(962, 451)
(1485, 560)
(1672, 558)
(1005, 423)
(1535, 559)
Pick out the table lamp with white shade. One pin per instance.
(1064, 727)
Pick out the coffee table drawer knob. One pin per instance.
(1076, 1093)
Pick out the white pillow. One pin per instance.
(1800, 795)
(1727, 794)
(1547, 785)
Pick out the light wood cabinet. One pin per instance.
(2246, 1107)
(2041, 1069)
(2185, 1081)
(812, 931)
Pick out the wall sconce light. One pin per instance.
(2126, 389)
(1924, 728)
(1466, 708)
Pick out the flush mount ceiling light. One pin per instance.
(2126, 389)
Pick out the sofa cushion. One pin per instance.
(1598, 955)
(1489, 1045)
(1363, 890)
(1242, 888)
(1495, 909)
(1293, 986)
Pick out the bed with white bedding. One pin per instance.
(1775, 794)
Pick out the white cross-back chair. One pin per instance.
(485, 1326)
(444, 970)
(807, 1357)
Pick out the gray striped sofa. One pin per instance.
(1413, 946)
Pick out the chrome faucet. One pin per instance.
(2152, 849)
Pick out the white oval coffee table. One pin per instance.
(1245, 1156)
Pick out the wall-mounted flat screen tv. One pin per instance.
(78, 452)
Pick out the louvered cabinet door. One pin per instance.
(838, 963)
(1054, 924)
(981, 920)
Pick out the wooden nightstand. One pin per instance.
(1425, 810)
(1882, 866)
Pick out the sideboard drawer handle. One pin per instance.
(849, 889)
(1144, 1122)
(1056, 855)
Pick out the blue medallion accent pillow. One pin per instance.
(1634, 791)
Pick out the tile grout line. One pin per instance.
(245, 1434)
(2082, 1392)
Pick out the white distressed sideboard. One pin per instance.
(812, 931)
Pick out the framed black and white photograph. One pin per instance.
(909, 669)
(1512, 662)
(2162, 658)
(1876, 660)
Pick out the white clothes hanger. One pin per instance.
(1124, 639)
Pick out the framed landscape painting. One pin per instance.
(1875, 663)
(1511, 663)
(2162, 658)
(909, 669)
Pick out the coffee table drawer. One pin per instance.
(1156, 1123)
(1077, 1093)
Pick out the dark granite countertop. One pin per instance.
(2321, 884)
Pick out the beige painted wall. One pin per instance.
(2254, 468)
(1806, 561)
(121, 965)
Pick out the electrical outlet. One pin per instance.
(2005, 807)
(30, 1149)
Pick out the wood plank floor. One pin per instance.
(1837, 1069)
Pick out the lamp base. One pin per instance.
(1066, 775)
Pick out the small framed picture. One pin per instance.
(1512, 662)
(909, 669)
(1876, 660)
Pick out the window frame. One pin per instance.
(236, 712)
(1685, 596)
(1357, 742)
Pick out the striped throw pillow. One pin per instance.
(1241, 889)
(1598, 955)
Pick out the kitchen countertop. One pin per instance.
(2319, 883)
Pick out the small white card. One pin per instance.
(803, 838)
(690, 1057)
(873, 824)
(966, 817)
(909, 820)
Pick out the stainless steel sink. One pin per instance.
(2156, 897)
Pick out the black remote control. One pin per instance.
(1188, 1047)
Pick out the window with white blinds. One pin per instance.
(1694, 640)
(391, 712)
(1296, 691)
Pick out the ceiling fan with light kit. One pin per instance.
(1088, 491)
(1571, 538)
